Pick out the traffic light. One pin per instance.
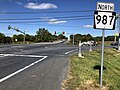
(9, 27)
(63, 32)
(17, 30)
(55, 33)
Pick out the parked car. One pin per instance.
(114, 44)
(88, 43)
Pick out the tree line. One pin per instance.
(88, 37)
(42, 35)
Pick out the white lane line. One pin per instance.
(5, 55)
(70, 51)
(20, 70)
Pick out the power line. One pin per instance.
(45, 18)
(48, 20)
(51, 12)
(77, 11)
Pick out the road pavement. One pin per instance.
(34, 66)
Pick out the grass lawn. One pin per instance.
(82, 76)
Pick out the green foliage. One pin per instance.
(88, 37)
(60, 36)
(30, 38)
(43, 35)
(19, 38)
(8, 40)
(2, 38)
(81, 71)
(79, 37)
(110, 38)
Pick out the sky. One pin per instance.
(70, 16)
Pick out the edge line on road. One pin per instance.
(26, 67)
(70, 51)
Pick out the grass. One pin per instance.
(82, 76)
(107, 43)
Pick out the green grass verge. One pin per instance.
(82, 76)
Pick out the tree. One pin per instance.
(54, 37)
(60, 36)
(89, 37)
(109, 38)
(79, 37)
(19, 37)
(43, 35)
(29, 38)
(2, 38)
(8, 40)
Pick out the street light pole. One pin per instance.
(9, 27)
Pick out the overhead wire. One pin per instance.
(44, 19)
(35, 18)
(51, 12)
(48, 20)
(77, 11)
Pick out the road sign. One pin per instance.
(104, 20)
(116, 34)
(105, 6)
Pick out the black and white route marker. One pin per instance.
(104, 20)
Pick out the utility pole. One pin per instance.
(118, 25)
(119, 32)
(73, 39)
(16, 29)
(24, 37)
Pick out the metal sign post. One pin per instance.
(102, 57)
(104, 19)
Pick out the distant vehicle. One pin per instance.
(88, 43)
(114, 44)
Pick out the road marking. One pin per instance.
(20, 70)
(2, 56)
(70, 51)
(20, 55)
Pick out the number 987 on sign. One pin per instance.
(104, 20)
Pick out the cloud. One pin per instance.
(40, 6)
(88, 26)
(19, 3)
(9, 0)
(56, 21)
(45, 18)
(51, 20)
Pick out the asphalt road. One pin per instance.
(34, 66)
